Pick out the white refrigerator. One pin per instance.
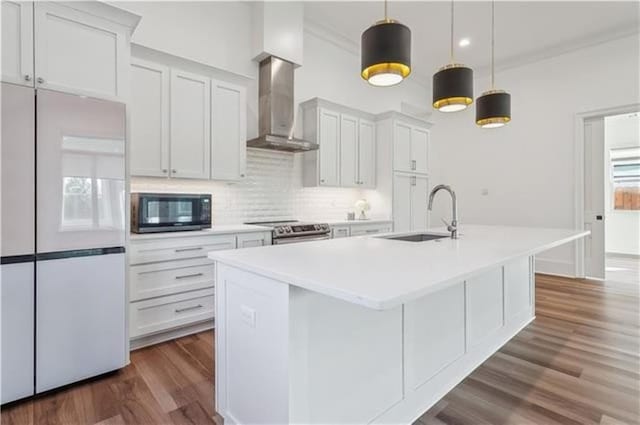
(63, 237)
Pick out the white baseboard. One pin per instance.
(555, 267)
(157, 338)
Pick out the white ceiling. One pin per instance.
(525, 31)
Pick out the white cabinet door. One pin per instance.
(419, 202)
(190, 126)
(367, 154)
(80, 325)
(18, 170)
(329, 140)
(402, 147)
(228, 131)
(484, 306)
(16, 300)
(17, 42)
(419, 149)
(340, 232)
(402, 194)
(80, 53)
(248, 240)
(149, 119)
(349, 173)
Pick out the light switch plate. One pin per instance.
(248, 315)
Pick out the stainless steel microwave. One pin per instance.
(169, 212)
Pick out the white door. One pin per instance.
(402, 194)
(80, 53)
(594, 197)
(149, 151)
(18, 170)
(349, 173)
(80, 318)
(329, 141)
(17, 42)
(16, 301)
(419, 201)
(228, 131)
(190, 126)
(402, 147)
(80, 172)
(419, 149)
(367, 154)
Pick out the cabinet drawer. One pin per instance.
(159, 279)
(248, 240)
(369, 229)
(154, 250)
(340, 232)
(164, 313)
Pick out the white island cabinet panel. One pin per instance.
(78, 52)
(228, 131)
(17, 42)
(150, 119)
(484, 306)
(436, 319)
(518, 288)
(190, 126)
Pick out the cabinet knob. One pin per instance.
(241, 175)
(40, 80)
(413, 164)
(321, 180)
(164, 170)
(174, 171)
(27, 77)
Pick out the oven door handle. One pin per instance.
(300, 239)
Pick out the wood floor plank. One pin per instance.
(191, 414)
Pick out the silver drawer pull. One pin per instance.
(184, 276)
(372, 231)
(189, 249)
(193, 307)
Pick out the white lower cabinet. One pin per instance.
(161, 314)
(80, 321)
(360, 229)
(16, 300)
(340, 232)
(249, 240)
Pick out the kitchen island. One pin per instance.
(367, 329)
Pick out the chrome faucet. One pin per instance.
(453, 226)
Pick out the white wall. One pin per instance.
(273, 188)
(622, 228)
(528, 166)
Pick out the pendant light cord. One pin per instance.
(493, 36)
(451, 51)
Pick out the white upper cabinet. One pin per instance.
(410, 148)
(349, 151)
(329, 140)
(190, 125)
(347, 146)
(17, 42)
(78, 52)
(367, 154)
(228, 131)
(410, 192)
(149, 152)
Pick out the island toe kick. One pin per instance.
(289, 355)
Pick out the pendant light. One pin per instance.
(452, 84)
(386, 52)
(493, 107)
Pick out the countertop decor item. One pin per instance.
(453, 83)
(493, 107)
(386, 52)
(363, 206)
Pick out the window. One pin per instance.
(625, 178)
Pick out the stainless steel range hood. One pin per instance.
(276, 114)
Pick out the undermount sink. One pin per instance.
(416, 237)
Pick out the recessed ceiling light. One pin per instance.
(464, 42)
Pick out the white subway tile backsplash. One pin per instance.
(272, 189)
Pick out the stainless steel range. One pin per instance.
(292, 231)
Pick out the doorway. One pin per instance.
(609, 170)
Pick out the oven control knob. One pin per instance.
(279, 230)
(316, 227)
(288, 229)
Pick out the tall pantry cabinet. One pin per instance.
(403, 172)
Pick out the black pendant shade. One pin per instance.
(386, 53)
(453, 88)
(493, 109)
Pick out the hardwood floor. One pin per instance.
(577, 363)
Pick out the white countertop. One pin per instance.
(215, 230)
(382, 273)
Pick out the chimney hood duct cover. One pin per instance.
(276, 115)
